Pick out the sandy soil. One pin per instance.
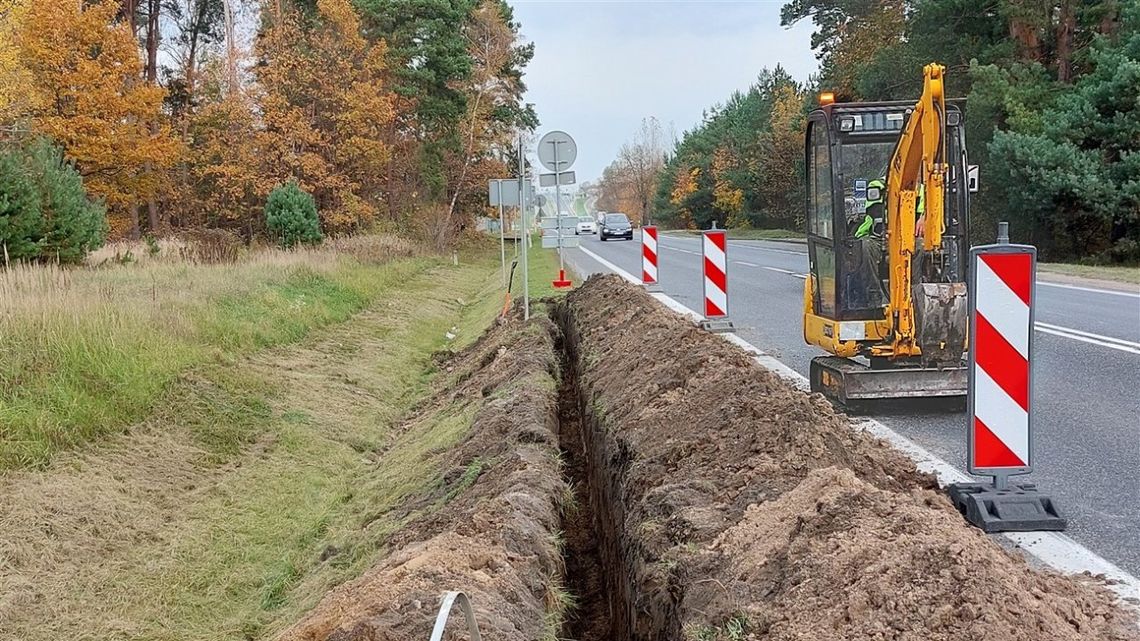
(751, 510)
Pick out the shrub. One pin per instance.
(45, 213)
(20, 218)
(291, 216)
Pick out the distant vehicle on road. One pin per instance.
(616, 226)
(586, 225)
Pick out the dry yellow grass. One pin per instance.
(1116, 273)
(162, 532)
(84, 351)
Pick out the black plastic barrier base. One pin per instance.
(717, 325)
(1020, 508)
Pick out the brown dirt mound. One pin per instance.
(837, 558)
(492, 536)
(753, 510)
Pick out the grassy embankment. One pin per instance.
(1122, 274)
(201, 451)
(85, 352)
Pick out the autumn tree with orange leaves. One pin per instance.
(369, 105)
(15, 79)
(89, 98)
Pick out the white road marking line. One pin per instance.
(1052, 548)
(774, 269)
(768, 249)
(778, 270)
(743, 243)
(1085, 339)
(1094, 290)
(1056, 330)
(1109, 339)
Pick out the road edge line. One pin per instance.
(1094, 290)
(1053, 549)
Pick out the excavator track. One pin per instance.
(860, 388)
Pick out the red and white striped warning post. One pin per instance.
(999, 441)
(649, 257)
(1001, 336)
(714, 247)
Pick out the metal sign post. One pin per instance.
(999, 432)
(502, 230)
(522, 210)
(557, 152)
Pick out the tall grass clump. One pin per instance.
(86, 351)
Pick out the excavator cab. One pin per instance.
(889, 308)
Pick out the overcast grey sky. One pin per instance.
(600, 67)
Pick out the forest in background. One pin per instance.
(172, 115)
(1052, 91)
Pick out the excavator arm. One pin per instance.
(919, 162)
(921, 157)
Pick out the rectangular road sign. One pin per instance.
(564, 178)
(569, 223)
(649, 255)
(507, 190)
(1002, 293)
(551, 242)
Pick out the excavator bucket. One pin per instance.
(941, 310)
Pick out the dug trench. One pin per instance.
(717, 502)
(644, 480)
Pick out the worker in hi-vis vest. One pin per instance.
(869, 235)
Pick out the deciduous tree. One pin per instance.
(15, 79)
(89, 98)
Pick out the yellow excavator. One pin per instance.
(888, 198)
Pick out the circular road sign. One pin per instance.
(567, 151)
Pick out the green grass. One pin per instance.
(1120, 274)
(544, 270)
(277, 466)
(84, 353)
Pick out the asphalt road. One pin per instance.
(1086, 366)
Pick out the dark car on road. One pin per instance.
(616, 226)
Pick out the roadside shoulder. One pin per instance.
(1048, 274)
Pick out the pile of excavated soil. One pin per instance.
(837, 558)
(749, 509)
(489, 532)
